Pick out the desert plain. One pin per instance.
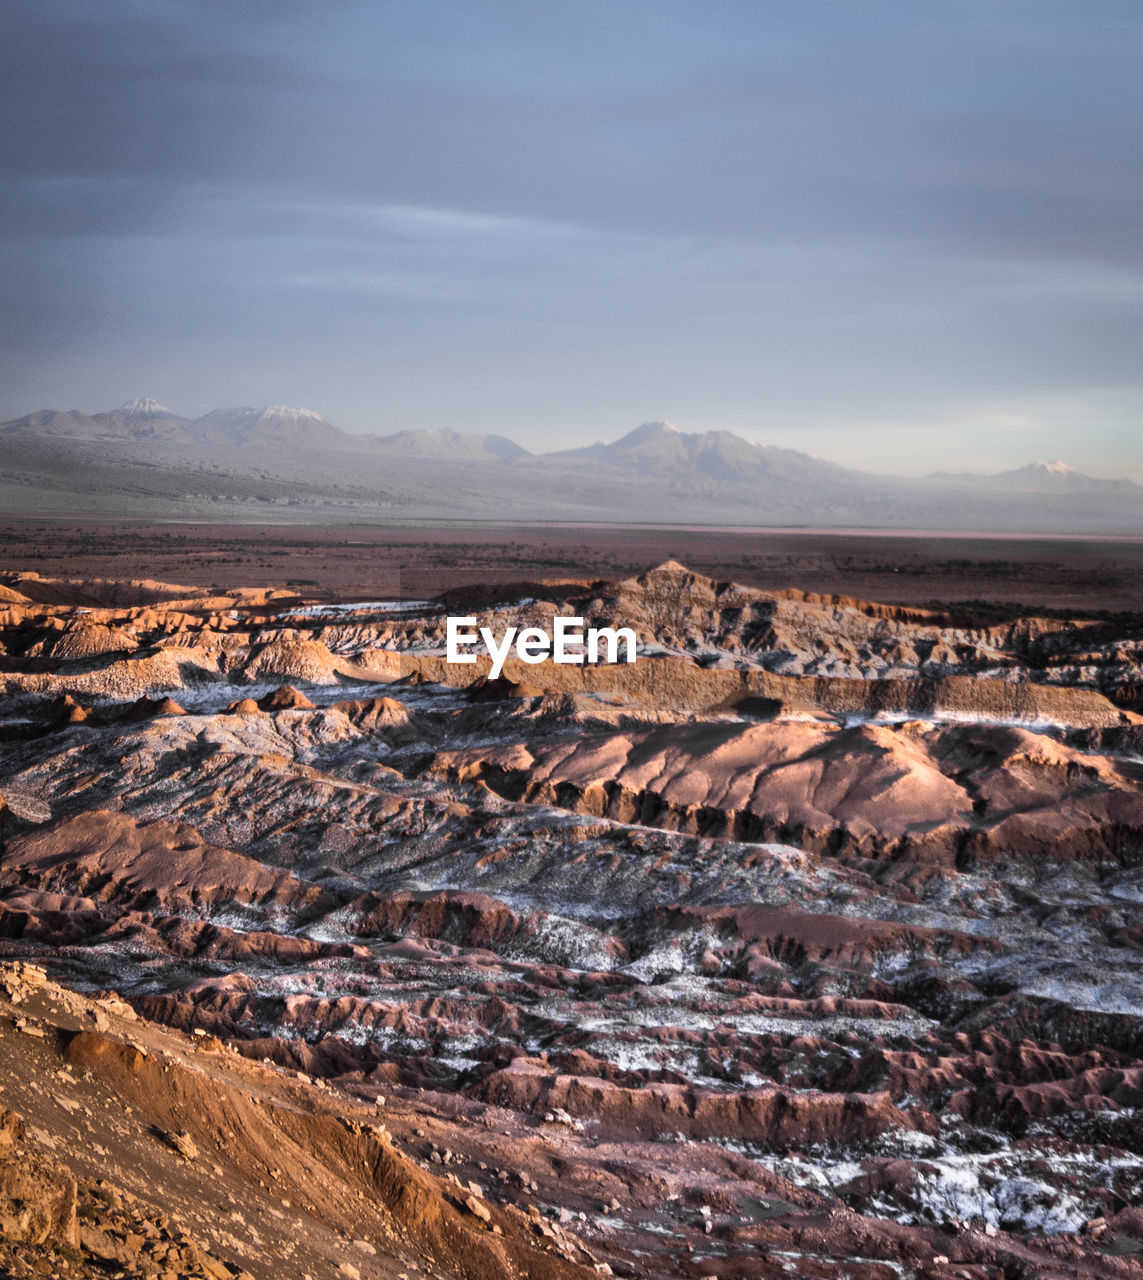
(1092, 575)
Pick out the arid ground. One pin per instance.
(416, 562)
(808, 944)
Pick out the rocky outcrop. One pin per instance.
(287, 698)
(83, 639)
(105, 856)
(37, 1193)
(930, 794)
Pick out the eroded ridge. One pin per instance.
(809, 943)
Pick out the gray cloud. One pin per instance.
(541, 219)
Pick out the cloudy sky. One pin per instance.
(903, 234)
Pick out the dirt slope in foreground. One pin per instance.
(128, 1149)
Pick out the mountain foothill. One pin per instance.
(242, 465)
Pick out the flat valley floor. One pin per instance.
(419, 561)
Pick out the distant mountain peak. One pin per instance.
(291, 413)
(1049, 478)
(445, 443)
(651, 430)
(142, 405)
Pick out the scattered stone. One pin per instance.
(19, 978)
(557, 1115)
(112, 1003)
(479, 1208)
(183, 1143)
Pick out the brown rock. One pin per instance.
(478, 1208)
(183, 1143)
(287, 698)
(243, 707)
(37, 1194)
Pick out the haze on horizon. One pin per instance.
(901, 236)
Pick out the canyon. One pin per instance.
(808, 943)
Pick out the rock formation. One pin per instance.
(807, 944)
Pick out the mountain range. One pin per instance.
(243, 464)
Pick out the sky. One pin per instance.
(902, 234)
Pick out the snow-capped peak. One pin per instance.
(1057, 468)
(291, 414)
(143, 404)
(651, 431)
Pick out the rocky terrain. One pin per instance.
(809, 944)
(136, 1151)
